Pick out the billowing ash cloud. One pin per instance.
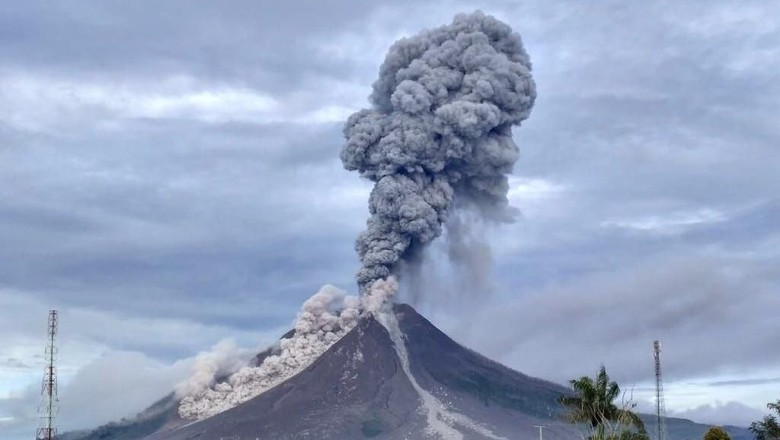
(439, 130)
(439, 134)
(323, 319)
(224, 358)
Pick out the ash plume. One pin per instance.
(438, 138)
(226, 357)
(439, 130)
(323, 319)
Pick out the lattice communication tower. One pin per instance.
(660, 409)
(47, 410)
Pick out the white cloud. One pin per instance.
(36, 102)
(329, 114)
(525, 189)
(728, 20)
(41, 103)
(721, 413)
(669, 223)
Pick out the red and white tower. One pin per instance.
(47, 409)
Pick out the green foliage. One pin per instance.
(716, 433)
(769, 427)
(629, 435)
(593, 403)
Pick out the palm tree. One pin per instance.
(593, 404)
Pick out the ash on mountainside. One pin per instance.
(393, 376)
(324, 319)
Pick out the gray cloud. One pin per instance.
(175, 167)
(14, 363)
(612, 318)
(124, 215)
(150, 39)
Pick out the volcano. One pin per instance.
(362, 388)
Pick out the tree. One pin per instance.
(716, 433)
(593, 404)
(768, 428)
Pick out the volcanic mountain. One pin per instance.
(362, 387)
(359, 388)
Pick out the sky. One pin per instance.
(170, 178)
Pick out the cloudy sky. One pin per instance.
(169, 178)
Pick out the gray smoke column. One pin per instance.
(439, 130)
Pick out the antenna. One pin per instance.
(541, 427)
(48, 406)
(660, 409)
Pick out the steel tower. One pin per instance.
(47, 409)
(660, 409)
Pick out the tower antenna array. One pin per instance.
(660, 409)
(48, 406)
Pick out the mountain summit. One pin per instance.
(362, 387)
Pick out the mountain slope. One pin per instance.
(354, 390)
(359, 388)
(439, 360)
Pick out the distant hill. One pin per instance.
(684, 429)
